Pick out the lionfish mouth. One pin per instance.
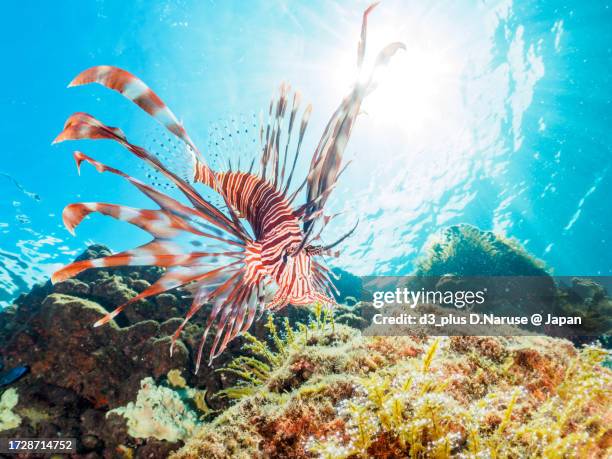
(233, 268)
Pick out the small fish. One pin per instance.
(29, 194)
(12, 375)
(237, 267)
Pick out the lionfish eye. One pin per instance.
(287, 252)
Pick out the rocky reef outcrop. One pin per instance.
(333, 393)
(465, 250)
(327, 390)
(301, 383)
(79, 373)
(464, 257)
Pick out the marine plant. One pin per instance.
(566, 424)
(408, 411)
(344, 395)
(262, 358)
(295, 399)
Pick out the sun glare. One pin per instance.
(416, 87)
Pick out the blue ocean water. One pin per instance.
(497, 115)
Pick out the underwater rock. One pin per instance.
(589, 300)
(98, 364)
(73, 287)
(314, 383)
(94, 251)
(465, 250)
(588, 290)
(78, 372)
(466, 258)
(395, 397)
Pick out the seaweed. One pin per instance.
(410, 413)
(255, 370)
(325, 390)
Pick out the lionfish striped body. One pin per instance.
(238, 266)
(278, 234)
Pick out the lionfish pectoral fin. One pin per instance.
(159, 223)
(186, 216)
(196, 305)
(170, 280)
(232, 303)
(136, 91)
(119, 259)
(84, 126)
(232, 321)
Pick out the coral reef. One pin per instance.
(79, 373)
(159, 412)
(303, 383)
(590, 301)
(464, 250)
(338, 394)
(8, 401)
(464, 257)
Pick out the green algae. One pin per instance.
(265, 362)
(465, 250)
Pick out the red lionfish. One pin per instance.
(232, 276)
